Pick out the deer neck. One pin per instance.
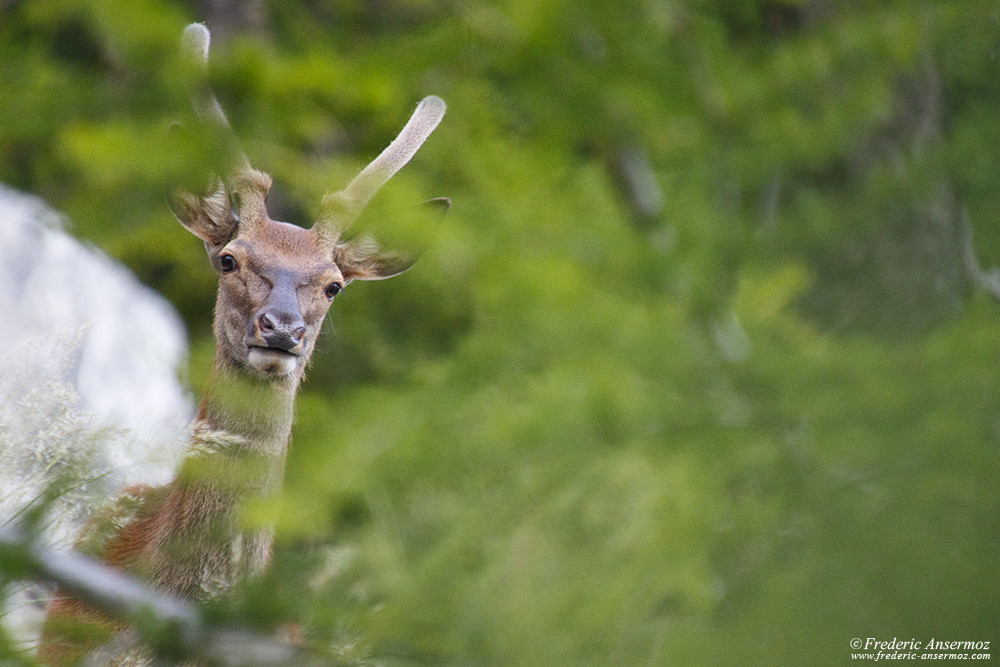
(243, 404)
(244, 423)
(238, 448)
(257, 411)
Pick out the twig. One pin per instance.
(120, 594)
(638, 180)
(987, 280)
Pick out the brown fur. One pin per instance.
(276, 282)
(187, 539)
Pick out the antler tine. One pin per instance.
(342, 208)
(195, 43)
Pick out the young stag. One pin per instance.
(276, 283)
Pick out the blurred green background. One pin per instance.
(692, 373)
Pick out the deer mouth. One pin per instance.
(272, 360)
(272, 350)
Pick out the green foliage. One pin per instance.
(746, 429)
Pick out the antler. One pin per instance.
(195, 44)
(340, 209)
(242, 186)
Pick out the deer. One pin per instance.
(276, 283)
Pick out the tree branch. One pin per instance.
(987, 280)
(160, 614)
(630, 164)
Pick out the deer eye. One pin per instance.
(332, 290)
(227, 263)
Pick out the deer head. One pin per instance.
(277, 280)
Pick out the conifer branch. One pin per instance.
(158, 615)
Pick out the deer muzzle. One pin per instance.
(276, 340)
(280, 331)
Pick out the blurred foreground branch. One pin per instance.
(156, 614)
(631, 166)
(987, 280)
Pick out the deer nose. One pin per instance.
(282, 331)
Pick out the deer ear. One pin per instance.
(363, 260)
(209, 217)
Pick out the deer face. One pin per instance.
(276, 280)
(275, 288)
